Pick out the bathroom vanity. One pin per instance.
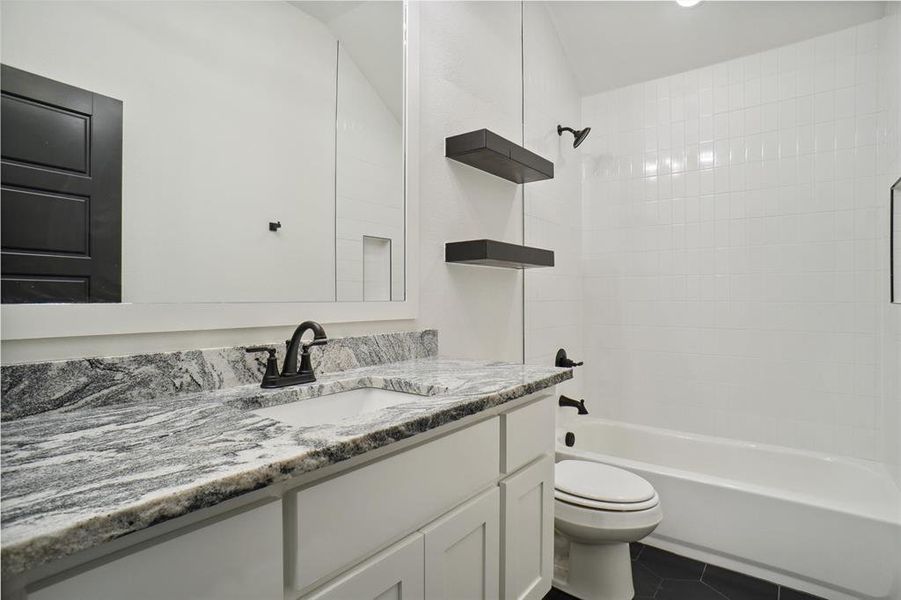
(447, 493)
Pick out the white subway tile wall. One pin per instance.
(735, 245)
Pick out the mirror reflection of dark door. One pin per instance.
(61, 192)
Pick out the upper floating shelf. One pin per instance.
(491, 253)
(486, 150)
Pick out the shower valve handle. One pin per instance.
(562, 360)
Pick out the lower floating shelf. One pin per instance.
(491, 253)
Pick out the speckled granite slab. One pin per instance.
(75, 479)
(33, 388)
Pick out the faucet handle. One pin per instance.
(253, 349)
(561, 360)
(271, 361)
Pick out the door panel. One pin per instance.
(39, 134)
(59, 289)
(527, 498)
(57, 223)
(462, 551)
(61, 192)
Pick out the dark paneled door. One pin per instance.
(61, 194)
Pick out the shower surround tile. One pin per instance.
(28, 389)
(735, 246)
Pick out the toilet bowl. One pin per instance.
(598, 510)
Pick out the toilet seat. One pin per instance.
(602, 487)
(610, 506)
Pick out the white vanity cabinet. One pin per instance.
(465, 512)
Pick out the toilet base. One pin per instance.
(598, 572)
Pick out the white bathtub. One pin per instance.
(825, 525)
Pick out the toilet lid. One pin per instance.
(601, 483)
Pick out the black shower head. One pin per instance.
(579, 134)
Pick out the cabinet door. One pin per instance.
(395, 574)
(462, 551)
(527, 500)
(236, 558)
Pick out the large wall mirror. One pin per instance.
(260, 152)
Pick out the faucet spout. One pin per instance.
(577, 404)
(290, 374)
(296, 345)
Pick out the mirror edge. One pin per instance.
(37, 321)
(894, 196)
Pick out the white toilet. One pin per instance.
(599, 509)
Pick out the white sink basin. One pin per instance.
(335, 407)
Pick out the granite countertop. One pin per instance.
(75, 479)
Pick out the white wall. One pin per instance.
(229, 113)
(370, 185)
(553, 207)
(735, 246)
(470, 64)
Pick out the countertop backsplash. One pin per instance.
(33, 388)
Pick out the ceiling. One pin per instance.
(615, 44)
(372, 32)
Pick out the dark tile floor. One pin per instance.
(663, 575)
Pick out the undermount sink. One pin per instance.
(336, 407)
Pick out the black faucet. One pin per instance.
(291, 374)
(579, 404)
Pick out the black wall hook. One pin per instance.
(275, 225)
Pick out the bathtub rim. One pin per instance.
(876, 469)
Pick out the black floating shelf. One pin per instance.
(493, 154)
(491, 253)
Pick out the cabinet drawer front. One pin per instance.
(395, 574)
(333, 524)
(237, 558)
(527, 433)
